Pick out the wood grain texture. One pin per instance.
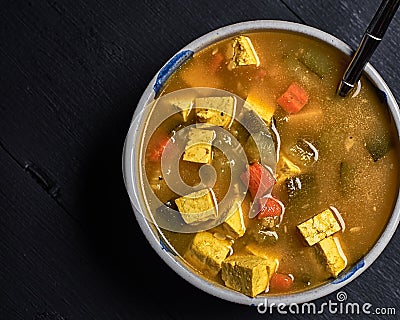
(71, 73)
(53, 268)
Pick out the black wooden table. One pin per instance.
(71, 74)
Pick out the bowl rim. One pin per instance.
(129, 168)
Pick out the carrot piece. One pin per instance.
(269, 207)
(156, 153)
(294, 99)
(216, 62)
(259, 178)
(280, 281)
(260, 74)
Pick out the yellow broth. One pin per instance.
(338, 127)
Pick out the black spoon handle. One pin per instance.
(370, 40)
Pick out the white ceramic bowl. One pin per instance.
(131, 166)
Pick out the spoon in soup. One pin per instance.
(369, 42)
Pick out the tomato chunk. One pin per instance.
(259, 178)
(294, 99)
(269, 207)
(280, 281)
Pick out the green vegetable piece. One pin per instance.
(264, 234)
(348, 172)
(266, 237)
(251, 120)
(263, 152)
(316, 62)
(300, 188)
(304, 277)
(304, 152)
(251, 150)
(293, 64)
(378, 145)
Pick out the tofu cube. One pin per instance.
(199, 148)
(184, 106)
(241, 53)
(197, 206)
(262, 252)
(217, 111)
(319, 227)
(264, 106)
(206, 253)
(234, 225)
(333, 255)
(247, 274)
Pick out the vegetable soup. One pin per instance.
(259, 176)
